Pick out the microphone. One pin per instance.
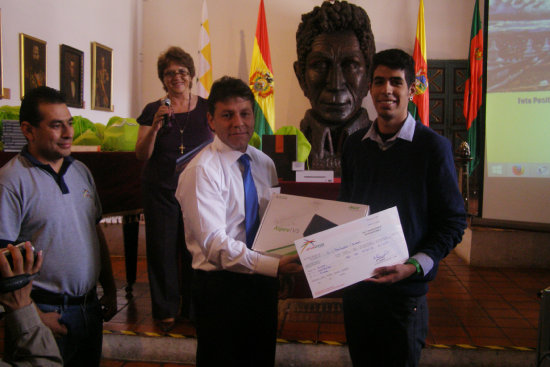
(166, 101)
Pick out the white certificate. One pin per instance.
(344, 255)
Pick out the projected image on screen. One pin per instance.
(517, 106)
(519, 49)
(518, 87)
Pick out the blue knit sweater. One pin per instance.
(419, 178)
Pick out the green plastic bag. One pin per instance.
(9, 113)
(115, 119)
(81, 125)
(100, 130)
(255, 140)
(304, 147)
(87, 138)
(120, 135)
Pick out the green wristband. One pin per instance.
(416, 264)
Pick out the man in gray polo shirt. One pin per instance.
(50, 199)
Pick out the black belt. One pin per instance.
(49, 298)
(230, 276)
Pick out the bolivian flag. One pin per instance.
(422, 96)
(261, 78)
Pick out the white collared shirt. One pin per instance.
(211, 195)
(406, 133)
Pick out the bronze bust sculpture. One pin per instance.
(335, 46)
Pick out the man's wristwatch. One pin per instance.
(413, 261)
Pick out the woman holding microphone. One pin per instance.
(170, 127)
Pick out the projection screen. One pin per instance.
(517, 120)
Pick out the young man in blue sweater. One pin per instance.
(399, 162)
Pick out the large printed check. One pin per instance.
(344, 255)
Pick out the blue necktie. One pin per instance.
(251, 218)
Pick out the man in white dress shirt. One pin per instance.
(234, 288)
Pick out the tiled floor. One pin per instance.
(468, 305)
(485, 306)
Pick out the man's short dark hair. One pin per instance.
(29, 105)
(228, 87)
(395, 59)
(330, 18)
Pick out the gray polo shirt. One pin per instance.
(58, 213)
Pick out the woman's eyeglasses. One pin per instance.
(172, 73)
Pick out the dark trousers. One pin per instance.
(168, 260)
(382, 328)
(236, 319)
(81, 347)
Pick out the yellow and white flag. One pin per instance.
(204, 71)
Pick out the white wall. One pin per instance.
(139, 30)
(77, 23)
(233, 26)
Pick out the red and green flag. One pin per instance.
(422, 96)
(473, 90)
(261, 78)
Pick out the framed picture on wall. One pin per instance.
(1, 63)
(102, 77)
(71, 75)
(32, 52)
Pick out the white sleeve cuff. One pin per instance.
(267, 265)
(425, 262)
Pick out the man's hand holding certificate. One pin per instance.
(344, 255)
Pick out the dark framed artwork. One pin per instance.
(32, 52)
(1, 62)
(102, 77)
(71, 75)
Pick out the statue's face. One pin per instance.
(335, 79)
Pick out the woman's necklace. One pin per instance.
(182, 127)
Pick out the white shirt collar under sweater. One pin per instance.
(406, 133)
